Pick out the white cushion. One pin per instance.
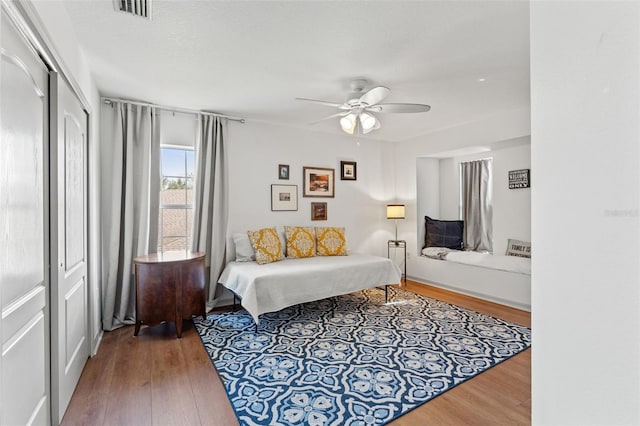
(244, 250)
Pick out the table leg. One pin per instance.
(179, 327)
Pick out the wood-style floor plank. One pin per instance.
(156, 379)
(204, 378)
(129, 397)
(89, 402)
(172, 396)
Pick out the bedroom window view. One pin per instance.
(176, 199)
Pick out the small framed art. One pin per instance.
(318, 182)
(519, 179)
(348, 170)
(284, 198)
(283, 171)
(318, 211)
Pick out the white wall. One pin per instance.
(449, 189)
(178, 129)
(256, 149)
(585, 63)
(58, 29)
(427, 192)
(511, 207)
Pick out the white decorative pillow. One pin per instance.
(519, 248)
(244, 250)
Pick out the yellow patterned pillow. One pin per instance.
(331, 242)
(266, 244)
(301, 242)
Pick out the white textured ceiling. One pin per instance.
(251, 59)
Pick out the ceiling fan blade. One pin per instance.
(338, 114)
(375, 95)
(399, 108)
(331, 104)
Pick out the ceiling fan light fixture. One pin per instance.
(367, 121)
(357, 112)
(348, 123)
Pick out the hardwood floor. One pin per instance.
(156, 379)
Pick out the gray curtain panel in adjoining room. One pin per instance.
(477, 211)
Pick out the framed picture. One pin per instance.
(283, 171)
(519, 179)
(284, 198)
(348, 170)
(318, 182)
(318, 211)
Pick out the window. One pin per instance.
(176, 198)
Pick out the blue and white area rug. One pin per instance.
(352, 360)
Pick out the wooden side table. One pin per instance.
(399, 244)
(169, 287)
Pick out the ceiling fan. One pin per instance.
(357, 111)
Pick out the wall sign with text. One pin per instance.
(519, 179)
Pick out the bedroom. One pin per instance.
(557, 199)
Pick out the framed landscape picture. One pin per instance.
(284, 198)
(347, 170)
(318, 182)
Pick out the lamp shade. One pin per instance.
(395, 211)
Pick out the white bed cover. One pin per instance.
(275, 286)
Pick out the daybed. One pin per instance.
(274, 286)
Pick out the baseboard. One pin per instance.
(449, 287)
(95, 344)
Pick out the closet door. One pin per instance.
(69, 309)
(24, 253)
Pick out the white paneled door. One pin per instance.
(24, 242)
(69, 312)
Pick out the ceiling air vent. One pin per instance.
(140, 8)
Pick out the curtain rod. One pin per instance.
(108, 101)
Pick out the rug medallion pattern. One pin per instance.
(352, 359)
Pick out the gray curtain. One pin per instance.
(210, 215)
(477, 212)
(130, 181)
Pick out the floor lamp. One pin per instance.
(395, 211)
